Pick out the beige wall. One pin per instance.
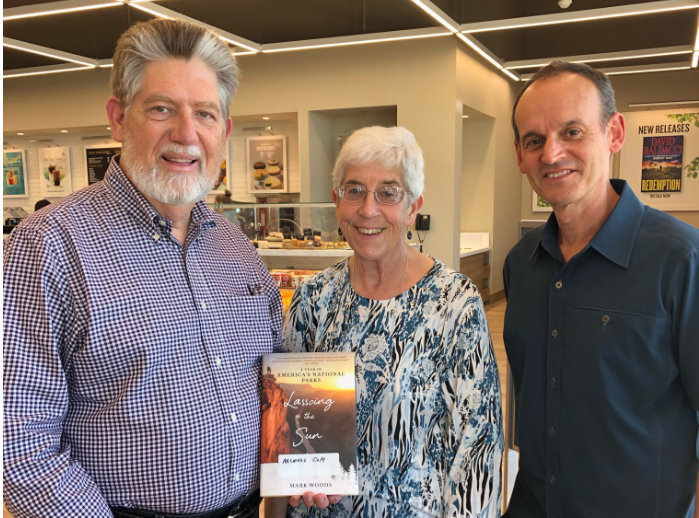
(639, 88)
(490, 92)
(427, 80)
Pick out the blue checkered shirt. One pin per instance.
(132, 363)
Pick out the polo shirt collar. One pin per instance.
(138, 206)
(614, 240)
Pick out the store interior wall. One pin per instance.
(481, 88)
(478, 175)
(417, 77)
(658, 87)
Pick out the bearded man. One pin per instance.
(135, 317)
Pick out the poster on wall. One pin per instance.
(266, 164)
(14, 179)
(97, 160)
(55, 172)
(660, 158)
(539, 204)
(223, 182)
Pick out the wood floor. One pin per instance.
(495, 313)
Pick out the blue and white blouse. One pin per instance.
(429, 421)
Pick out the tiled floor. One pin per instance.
(496, 319)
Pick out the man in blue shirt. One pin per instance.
(602, 321)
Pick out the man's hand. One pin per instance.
(319, 499)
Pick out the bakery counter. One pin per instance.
(302, 259)
(474, 262)
(280, 252)
(468, 252)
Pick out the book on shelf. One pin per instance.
(309, 424)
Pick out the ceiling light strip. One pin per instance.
(510, 74)
(606, 56)
(35, 71)
(484, 52)
(45, 51)
(66, 6)
(636, 69)
(439, 15)
(357, 39)
(580, 16)
(480, 49)
(164, 12)
(672, 103)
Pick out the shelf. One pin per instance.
(277, 252)
(468, 252)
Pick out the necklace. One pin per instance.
(402, 279)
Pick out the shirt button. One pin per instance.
(203, 305)
(237, 477)
(605, 318)
(234, 418)
(552, 479)
(553, 382)
(559, 285)
(552, 431)
(162, 222)
(218, 361)
(554, 333)
(156, 237)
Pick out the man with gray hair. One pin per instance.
(601, 326)
(135, 317)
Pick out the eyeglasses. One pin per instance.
(389, 195)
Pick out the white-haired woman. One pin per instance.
(429, 425)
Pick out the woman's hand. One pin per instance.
(319, 499)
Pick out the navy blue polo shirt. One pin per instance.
(604, 351)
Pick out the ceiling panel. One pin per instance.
(609, 35)
(91, 34)
(13, 59)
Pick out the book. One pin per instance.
(309, 424)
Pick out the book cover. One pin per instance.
(662, 164)
(309, 424)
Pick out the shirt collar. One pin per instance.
(615, 239)
(140, 209)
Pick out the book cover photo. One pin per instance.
(309, 424)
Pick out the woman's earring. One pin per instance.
(339, 230)
(410, 234)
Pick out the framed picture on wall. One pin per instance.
(539, 204)
(97, 160)
(266, 165)
(55, 172)
(224, 180)
(660, 158)
(15, 182)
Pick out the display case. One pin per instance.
(290, 235)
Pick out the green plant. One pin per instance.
(693, 166)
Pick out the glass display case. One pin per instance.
(290, 235)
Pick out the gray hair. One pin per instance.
(557, 68)
(159, 39)
(391, 148)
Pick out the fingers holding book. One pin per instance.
(309, 498)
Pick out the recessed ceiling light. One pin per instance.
(20, 133)
(465, 117)
(265, 118)
(64, 131)
(109, 127)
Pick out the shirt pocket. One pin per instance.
(616, 355)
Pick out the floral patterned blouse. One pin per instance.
(429, 421)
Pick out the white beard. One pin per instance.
(169, 188)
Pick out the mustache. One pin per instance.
(192, 151)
